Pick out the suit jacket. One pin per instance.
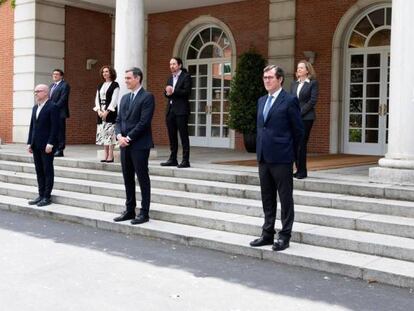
(60, 96)
(135, 122)
(307, 98)
(44, 130)
(178, 102)
(278, 136)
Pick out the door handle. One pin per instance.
(382, 108)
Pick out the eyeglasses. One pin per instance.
(38, 91)
(269, 77)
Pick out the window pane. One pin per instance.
(202, 82)
(356, 90)
(192, 53)
(356, 41)
(357, 76)
(216, 94)
(217, 35)
(371, 136)
(201, 131)
(373, 90)
(202, 119)
(191, 118)
(377, 17)
(202, 106)
(355, 120)
(202, 69)
(216, 106)
(355, 105)
(197, 42)
(207, 52)
(205, 35)
(192, 69)
(373, 75)
(191, 130)
(215, 131)
(357, 61)
(381, 38)
(364, 26)
(215, 119)
(355, 136)
(225, 132)
(374, 60)
(372, 105)
(371, 121)
(388, 19)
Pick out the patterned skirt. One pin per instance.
(105, 134)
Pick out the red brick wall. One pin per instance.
(247, 20)
(315, 29)
(6, 72)
(87, 35)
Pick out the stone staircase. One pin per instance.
(351, 228)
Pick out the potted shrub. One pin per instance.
(246, 88)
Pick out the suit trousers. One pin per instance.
(301, 168)
(277, 179)
(136, 162)
(62, 134)
(44, 171)
(178, 123)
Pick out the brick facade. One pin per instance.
(88, 35)
(315, 29)
(6, 72)
(247, 20)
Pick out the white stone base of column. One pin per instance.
(392, 171)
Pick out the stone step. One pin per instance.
(189, 196)
(217, 173)
(347, 263)
(364, 242)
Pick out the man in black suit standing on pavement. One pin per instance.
(59, 93)
(133, 131)
(41, 142)
(279, 132)
(178, 91)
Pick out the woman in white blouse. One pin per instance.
(306, 88)
(106, 102)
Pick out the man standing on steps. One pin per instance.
(59, 93)
(178, 91)
(43, 137)
(133, 131)
(279, 131)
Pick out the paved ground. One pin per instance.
(47, 265)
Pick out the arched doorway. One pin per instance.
(366, 94)
(208, 57)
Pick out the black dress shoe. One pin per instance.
(170, 162)
(183, 164)
(125, 216)
(44, 202)
(59, 154)
(140, 219)
(109, 161)
(300, 176)
(261, 241)
(103, 161)
(280, 245)
(35, 201)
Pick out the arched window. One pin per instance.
(373, 29)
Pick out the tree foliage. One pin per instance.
(246, 88)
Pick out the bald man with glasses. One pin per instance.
(42, 141)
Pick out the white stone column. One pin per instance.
(129, 37)
(398, 164)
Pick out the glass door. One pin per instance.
(209, 104)
(366, 102)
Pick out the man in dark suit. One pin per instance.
(42, 139)
(178, 91)
(59, 93)
(133, 131)
(279, 131)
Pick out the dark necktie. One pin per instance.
(267, 107)
(53, 88)
(129, 104)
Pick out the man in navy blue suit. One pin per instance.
(42, 140)
(133, 131)
(279, 131)
(59, 93)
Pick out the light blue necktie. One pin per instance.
(267, 106)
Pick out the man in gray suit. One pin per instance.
(133, 131)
